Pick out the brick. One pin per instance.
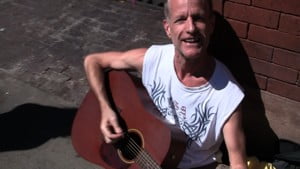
(274, 38)
(286, 6)
(251, 14)
(258, 50)
(218, 6)
(284, 89)
(287, 58)
(274, 71)
(261, 81)
(241, 28)
(290, 24)
(247, 2)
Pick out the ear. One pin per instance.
(167, 28)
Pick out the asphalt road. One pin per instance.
(42, 82)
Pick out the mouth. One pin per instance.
(193, 40)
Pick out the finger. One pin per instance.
(109, 135)
(116, 128)
(107, 140)
(106, 132)
(110, 141)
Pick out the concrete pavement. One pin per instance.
(42, 82)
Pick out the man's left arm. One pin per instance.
(235, 140)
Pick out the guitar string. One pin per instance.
(140, 158)
(146, 158)
(136, 149)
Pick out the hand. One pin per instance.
(110, 127)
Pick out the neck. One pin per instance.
(194, 72)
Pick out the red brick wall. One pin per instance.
(270, 33)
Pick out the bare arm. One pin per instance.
(235, 140)
(94, 66)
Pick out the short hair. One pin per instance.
(167, 9)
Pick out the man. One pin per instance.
(189, 87)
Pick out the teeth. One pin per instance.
(191, 40)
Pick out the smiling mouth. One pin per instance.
(192, 41)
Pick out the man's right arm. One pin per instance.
(94, 66)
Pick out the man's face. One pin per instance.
(189, 26)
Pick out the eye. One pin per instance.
(179, 20)
(198, 18)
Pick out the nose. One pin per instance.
(190, 25)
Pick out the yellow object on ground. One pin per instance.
(254, 163)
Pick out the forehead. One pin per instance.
(177, 7)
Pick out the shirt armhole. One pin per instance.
(148, 59)
(235, 99)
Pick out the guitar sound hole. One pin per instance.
(130, 146)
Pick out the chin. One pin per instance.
(192, 54)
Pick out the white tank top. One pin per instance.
(200, 111)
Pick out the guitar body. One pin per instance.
(165, 143)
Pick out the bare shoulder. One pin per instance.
(137, 52)
(130, 59)
(134, 58)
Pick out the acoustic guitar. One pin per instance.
(149, 141)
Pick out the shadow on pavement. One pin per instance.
(30, 125)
